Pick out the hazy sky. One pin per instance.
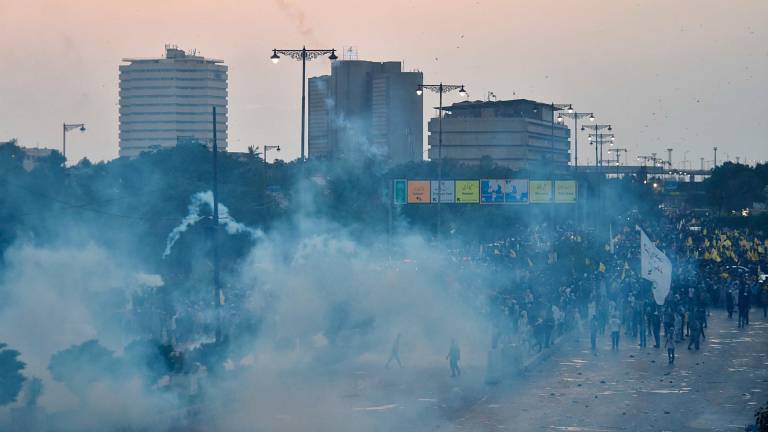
(683, 74)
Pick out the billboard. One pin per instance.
(400, 191)
(565, 191)
(504, 191)
(517, 193)
(446, 191)
(540, 191)
(418, 191)
(467, 191)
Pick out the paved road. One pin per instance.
(717, 388)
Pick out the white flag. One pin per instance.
(656, 267)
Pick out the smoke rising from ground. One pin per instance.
(326, 302)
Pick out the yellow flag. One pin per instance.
(689, 242)
(706, 242)
(715, 256)
(602, 268)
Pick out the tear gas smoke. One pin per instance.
(199, 201)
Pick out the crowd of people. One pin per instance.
(588, 281)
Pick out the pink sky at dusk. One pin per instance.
(684, 74)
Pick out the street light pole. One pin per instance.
(440, 89)
(303, 55)
(66, 127)
(218, 297)
(556, 108)
(598, 139)
(570, 113)
(714, 162)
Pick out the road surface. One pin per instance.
(717, 388)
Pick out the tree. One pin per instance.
(79, 366)
(11, 378)
(733, 187)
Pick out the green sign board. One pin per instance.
(400, 191)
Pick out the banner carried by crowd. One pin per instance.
(655, 267)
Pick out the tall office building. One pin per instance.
(169, 100)
(365, 109)
(519, 134)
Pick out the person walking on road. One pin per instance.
(643, 328)
(669, 343)
(729, 304)
(695, 335)
(656, 326)
(395, 353)
(453, 357)
(594, 328)
(615, 326)
(744, 306)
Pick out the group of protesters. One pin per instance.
(579, 281)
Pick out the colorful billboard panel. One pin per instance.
(492, 191)
(565, 191)
(467, 191)
(517, 192)
(400, 191)
(418, 191)
(504, 191)
(447, 193)
(540, 191)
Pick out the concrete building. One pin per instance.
(164, 101)
(518, 134)
(366, 108)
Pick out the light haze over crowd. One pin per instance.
(688, 75)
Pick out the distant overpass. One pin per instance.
(633, 169)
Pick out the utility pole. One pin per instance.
(440, 89)
(669, 158)
(618, 163)
(66, 127)
(218, 297)
(715, 160)
(556, 108)
(570, 113)
(599, 140)
(303, 55)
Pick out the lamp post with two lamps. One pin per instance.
(303, 55)
(599, 139)
(576, 116)
(440, 89)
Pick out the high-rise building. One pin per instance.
(364, 109)
(520, 134)
(165, 101)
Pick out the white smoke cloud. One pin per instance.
(198, 202)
